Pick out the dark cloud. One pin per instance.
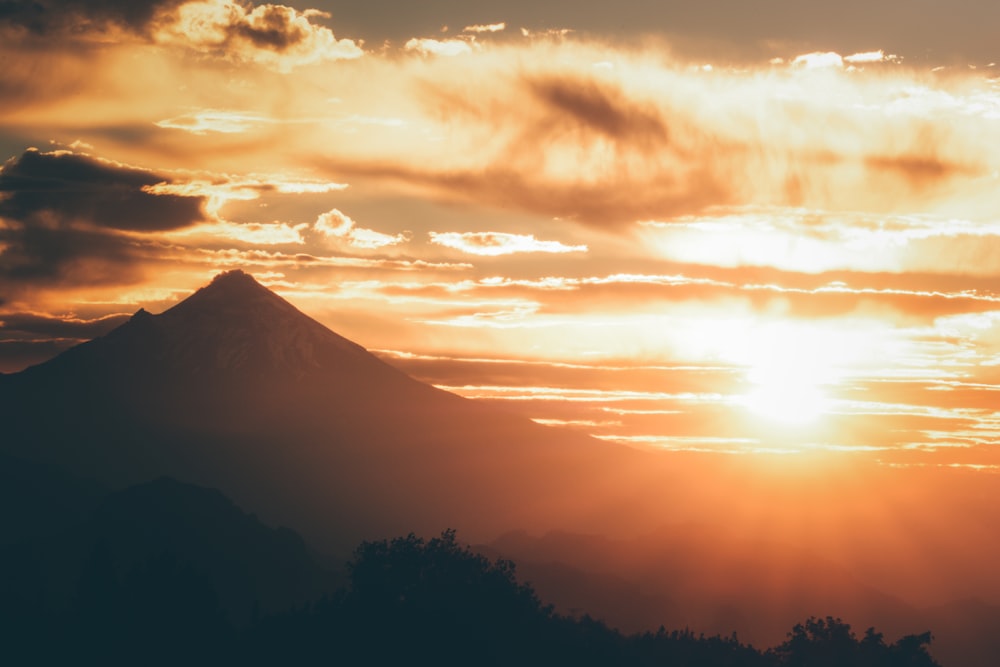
(639, 160)
(63, 213)
(31, 338)
(67, 187)
(617, 200)
(34, 324)
(274, 35)
(274, 28)
(16, 355)
(600, 108)
(27, 14)
(43, 17)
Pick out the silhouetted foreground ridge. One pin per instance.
(145, 588)
(412, 600)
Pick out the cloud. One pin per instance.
(64, 188)
(871, 57)
(233, 257)
(555, 136)
(485, 27)
(70, 216)
(532, 125)
(819, 60)
(334, 224)
(78, 18)
(620, 199)
(602, 108)
(273, 35)
(439, 47)
(888, 297)
(217, 191)
(253, 233)
(51, 326)
(214, 120)
(28, 338)
(493, 244)
(831, 59)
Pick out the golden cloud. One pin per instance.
(336, 225)
(274, 35)
(440, 47)
(492, 244)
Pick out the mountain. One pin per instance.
(236, 389)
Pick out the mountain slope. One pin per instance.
(235, 388)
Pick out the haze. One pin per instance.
(755, 237)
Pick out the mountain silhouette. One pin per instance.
(250, 567)
(234, 388)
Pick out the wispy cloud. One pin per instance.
(254, 233)
(439, 47)
(612, 146)
(214, 120)
(485, 27)
(492, 244)
(233, 257)
(871, 57)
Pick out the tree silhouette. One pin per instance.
(441, 597)
(829, 642)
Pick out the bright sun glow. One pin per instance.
(786, 393)
(790, 367)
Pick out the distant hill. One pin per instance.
(38, 500)
(250, 567)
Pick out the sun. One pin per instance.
(790, 370)
(786, 393)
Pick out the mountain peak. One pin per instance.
(232, 327)
(234, 279)
(237, 322)
(229, 293)
(235, 285)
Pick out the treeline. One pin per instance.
(407, 601)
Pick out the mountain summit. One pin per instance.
(233, 326)
(237, 389)
(252, 326)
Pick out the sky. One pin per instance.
(732, 228)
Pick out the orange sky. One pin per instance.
(790, 247)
